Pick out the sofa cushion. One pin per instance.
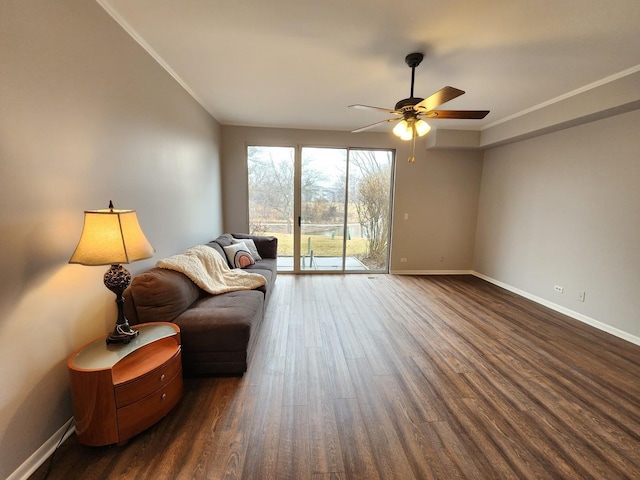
(221, 323)
(224, 240)
(161, 295)
(219, 243)
(216, 246)
(264, 271)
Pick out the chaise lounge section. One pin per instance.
(218, 332)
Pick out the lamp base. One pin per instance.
(123, 333)
(117, 279)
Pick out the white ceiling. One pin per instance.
(297, 63)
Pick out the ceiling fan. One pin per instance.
(410, 111)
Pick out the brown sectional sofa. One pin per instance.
(218, 332)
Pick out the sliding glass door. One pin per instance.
(329, 207)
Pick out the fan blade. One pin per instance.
(368, 107)
(460, 114)
(374, 124)
(443, 95)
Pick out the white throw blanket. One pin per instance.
(207, 269)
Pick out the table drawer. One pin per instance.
(139, 416)
(131, 392)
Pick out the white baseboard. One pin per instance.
(41, 455)
(559, 308)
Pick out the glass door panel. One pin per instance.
(271, 197)
(370, 183)
(323, 176)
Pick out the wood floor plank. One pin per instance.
(275, 333)
(379, 359)
(296, 374)
(582, 459)
(417, 392)
(339, 376)
(326, 454)
(184, 461)
(584, 390)
(262, 445)
(230, 437)
(407, 420)
(397, 377)
(294, 450)
(312, 320)
(348, 328)
(503, 390)
(391, 459)
(329, 476)
(454, 455)
(357, 452)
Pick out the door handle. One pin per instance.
(299, 221)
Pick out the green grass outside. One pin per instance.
(322, 245)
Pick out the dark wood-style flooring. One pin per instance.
(397, 377)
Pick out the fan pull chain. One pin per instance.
(412, 158)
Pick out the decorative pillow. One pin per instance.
(250, 245)
(239, 255)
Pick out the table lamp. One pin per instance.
(112, 237)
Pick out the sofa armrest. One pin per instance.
(130, 310)
(267, 246)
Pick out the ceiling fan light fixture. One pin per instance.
(407, 135)
(405, 129)
(408, 129)
(422, 128)
(401, 129)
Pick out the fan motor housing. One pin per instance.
(408, 103)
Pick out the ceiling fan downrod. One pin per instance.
(413, 60)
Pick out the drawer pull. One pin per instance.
(164, 395)
(162, 377)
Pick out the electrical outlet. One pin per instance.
(581, 294)
(441, 258)
(403, 260)
(406, 216)
(558, 289)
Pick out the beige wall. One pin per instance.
(86, 116)
(439, 192)
(563, 209)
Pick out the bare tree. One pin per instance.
(271, 176)
(270, 185)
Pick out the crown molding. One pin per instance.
(155, 55)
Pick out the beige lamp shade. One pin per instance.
(111, 237)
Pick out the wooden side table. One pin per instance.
(120, 390)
